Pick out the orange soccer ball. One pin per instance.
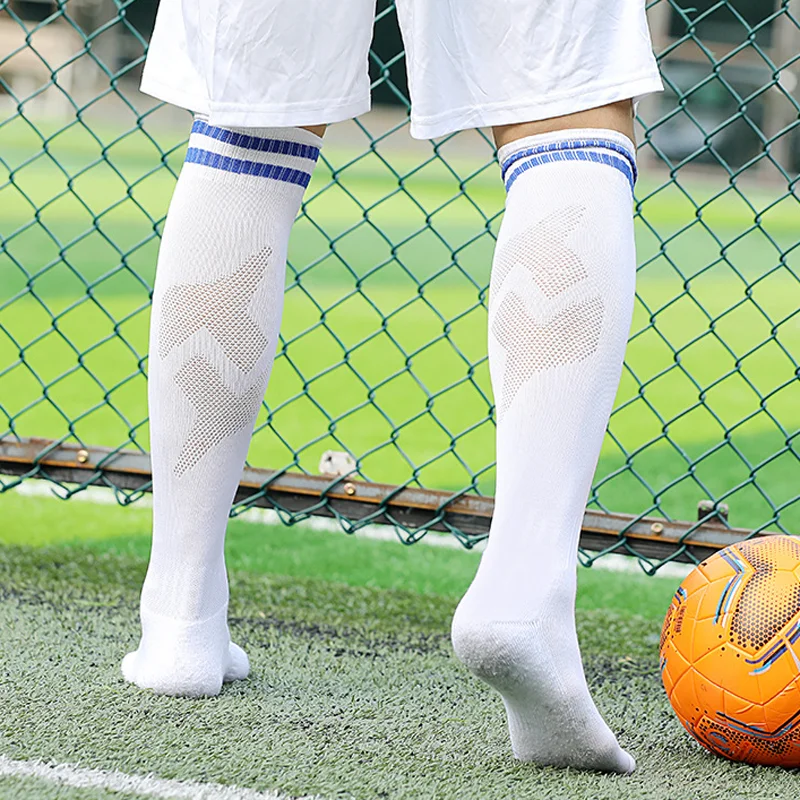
(730, 652)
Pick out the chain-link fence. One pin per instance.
(382, 358)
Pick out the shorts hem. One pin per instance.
(288, 115)
(505, 113)
(175, 97)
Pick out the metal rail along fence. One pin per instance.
(382, 355)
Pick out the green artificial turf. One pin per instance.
(33, 789)
(354, 693)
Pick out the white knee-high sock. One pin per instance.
(560, 306)
(216, 313)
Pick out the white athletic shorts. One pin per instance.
(471, 63)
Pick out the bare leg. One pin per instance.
(615, 117)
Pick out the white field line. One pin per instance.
(384, 533)
(142, 785)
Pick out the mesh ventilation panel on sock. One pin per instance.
(220, 413)
(221, 308)
(532, 346)
(541, 249)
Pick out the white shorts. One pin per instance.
(471, 63)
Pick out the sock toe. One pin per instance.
(239, 664)
(627, 763)
(129, 667)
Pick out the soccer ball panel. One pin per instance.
(673, 666)
(708, 695)
(780, 708)
(715, 568)
(764, 605)
(684, 700)
(730, 670)
(697, 579)
(705, 638)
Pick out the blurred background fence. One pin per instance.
(382, 357)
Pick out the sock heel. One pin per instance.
(490, 650)
(187, 659)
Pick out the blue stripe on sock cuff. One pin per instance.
(570, 145)
(573, 155)
(194, 155)
(248, 142)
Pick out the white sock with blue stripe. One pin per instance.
(216, 313)
(560, 306)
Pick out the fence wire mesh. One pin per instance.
(383, 354)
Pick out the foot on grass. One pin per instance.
(536, 668)
(185, 659)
